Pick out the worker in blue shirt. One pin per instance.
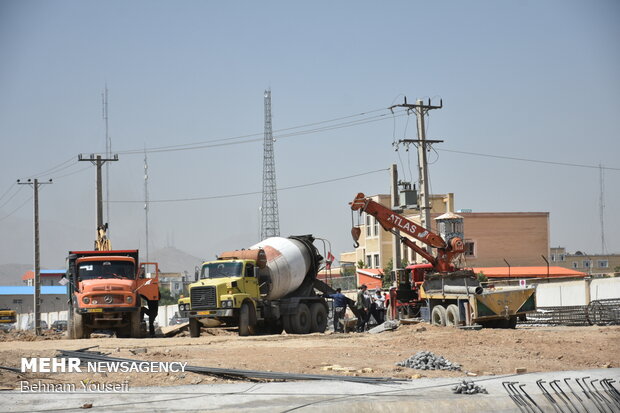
(340, 306)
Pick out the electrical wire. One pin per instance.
(19, 188)
(8, 190)
(74, 172)
(255, 192)
(16, 209)
(213, 142)
(512, 158)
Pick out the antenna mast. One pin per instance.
(108, 152)
(270, 222)
(146, 203)
(602, 209)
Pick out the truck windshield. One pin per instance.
(222, 269)
(106, 269)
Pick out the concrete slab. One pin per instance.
(433, 395)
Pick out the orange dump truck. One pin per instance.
(106, 290)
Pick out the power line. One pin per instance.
(512, 158)
(212, 143)
(204, 198)
(12, 196)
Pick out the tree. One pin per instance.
(166, 297)
(387, 274)
(482, 278)
(361, 264)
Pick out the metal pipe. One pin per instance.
(458, 289)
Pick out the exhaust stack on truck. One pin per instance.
(265, 289)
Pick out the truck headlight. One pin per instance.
(227, 303)
(129, 299)
(181, 307)
(86, 300)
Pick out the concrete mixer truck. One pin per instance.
(267, 288)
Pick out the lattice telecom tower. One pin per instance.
(270, 222)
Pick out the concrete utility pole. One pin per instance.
(98, 161)
(423, 145)
(37, 268)
(396, 258)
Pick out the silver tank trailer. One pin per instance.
(288, 262)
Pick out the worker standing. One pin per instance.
(363, 307)
(340, 306)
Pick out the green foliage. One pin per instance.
(166, 297)
(361, 264)
(482, 278)
(387, 274)
(617, 268)
(348, 270)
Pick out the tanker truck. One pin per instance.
(267, 288)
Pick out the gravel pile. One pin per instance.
(425, 360)
(468, 387)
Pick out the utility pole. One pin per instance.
(98, 161)
(396, 258)
(423, 145)
(37, 268)
(146, 203)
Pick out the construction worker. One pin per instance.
(340, 306)
(362, 304)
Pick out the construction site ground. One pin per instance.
(482, 352)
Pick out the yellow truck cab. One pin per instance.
(223, 287)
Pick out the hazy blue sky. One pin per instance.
(524, 79)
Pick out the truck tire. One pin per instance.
(194, 327)
(438, 316)
(300, 321)
(287, 324)
(75, 330)
(453, 318)
(247, 320)
(135, 325)
(511, 322)
(318, 318)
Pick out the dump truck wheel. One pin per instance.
(194, 327)
(318, 318)
(452, 316)
(247, 320)
(135, 325)
(512, 322)
(76, 327)
(300, 321)
(438, 316)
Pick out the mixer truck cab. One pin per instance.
(267, 288)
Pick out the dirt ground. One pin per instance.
(483, 352)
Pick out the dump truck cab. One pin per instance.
(106, 290)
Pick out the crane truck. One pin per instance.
(438, 290)
(267, 288)
(106, 288)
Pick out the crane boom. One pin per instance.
(391, 222)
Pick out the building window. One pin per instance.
(562, 257)
(470, 248)
(603, 264)
(376, 227)
(576, 264)
(377, 264)
(553, 257)
(368, 261)
(368, 226)
(587, 263)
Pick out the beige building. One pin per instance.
(588, 263)
(520, 238)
